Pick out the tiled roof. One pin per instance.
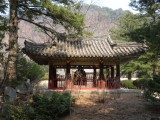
(88, 48)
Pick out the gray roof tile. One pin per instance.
(87, 48)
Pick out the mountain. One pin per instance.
(98, 20)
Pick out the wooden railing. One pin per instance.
(61, 81)
(87, 82)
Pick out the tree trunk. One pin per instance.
(154, 69)
(129, 75)
(13, 43)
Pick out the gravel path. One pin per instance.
(115, 106)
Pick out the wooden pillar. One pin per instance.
(52, 77)
(68, 82)
(101, 83)
(118, 75)
(107, 72)
(68, 67)
(107, 77)
(101, 74)
(112, 71)
(117, 70)
(94, 76)
(111, 83)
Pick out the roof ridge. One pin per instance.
(129, 44)
(110, 41)
(29, 43)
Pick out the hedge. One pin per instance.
(128, 84)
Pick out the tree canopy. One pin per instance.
(144, 28)
(58, 10)
(127, 23)
(3, 21)
(149, 10)
(3, 27)
(43, 14)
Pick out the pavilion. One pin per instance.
(86, 53)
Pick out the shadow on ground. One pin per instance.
(117, 106)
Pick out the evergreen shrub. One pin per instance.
(42, 107)
(141, 83)
(128, 84)
(152, 91)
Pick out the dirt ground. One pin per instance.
(105, 106)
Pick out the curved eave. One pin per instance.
(80, 51)
(44, 60)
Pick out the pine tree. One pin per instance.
(3, 21)
(149, 31)
(149, 10)
(132, 27)
(127, 23)
(59, 11)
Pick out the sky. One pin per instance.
(114, 4)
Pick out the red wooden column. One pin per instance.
(112, 72)
(68, 67)
(52, 77)
(107, 76)
(101, 76)
(94, 76)
(107, 72)
(112, 80)
(68, 82)
(118, 75)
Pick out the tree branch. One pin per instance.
(41, 26)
